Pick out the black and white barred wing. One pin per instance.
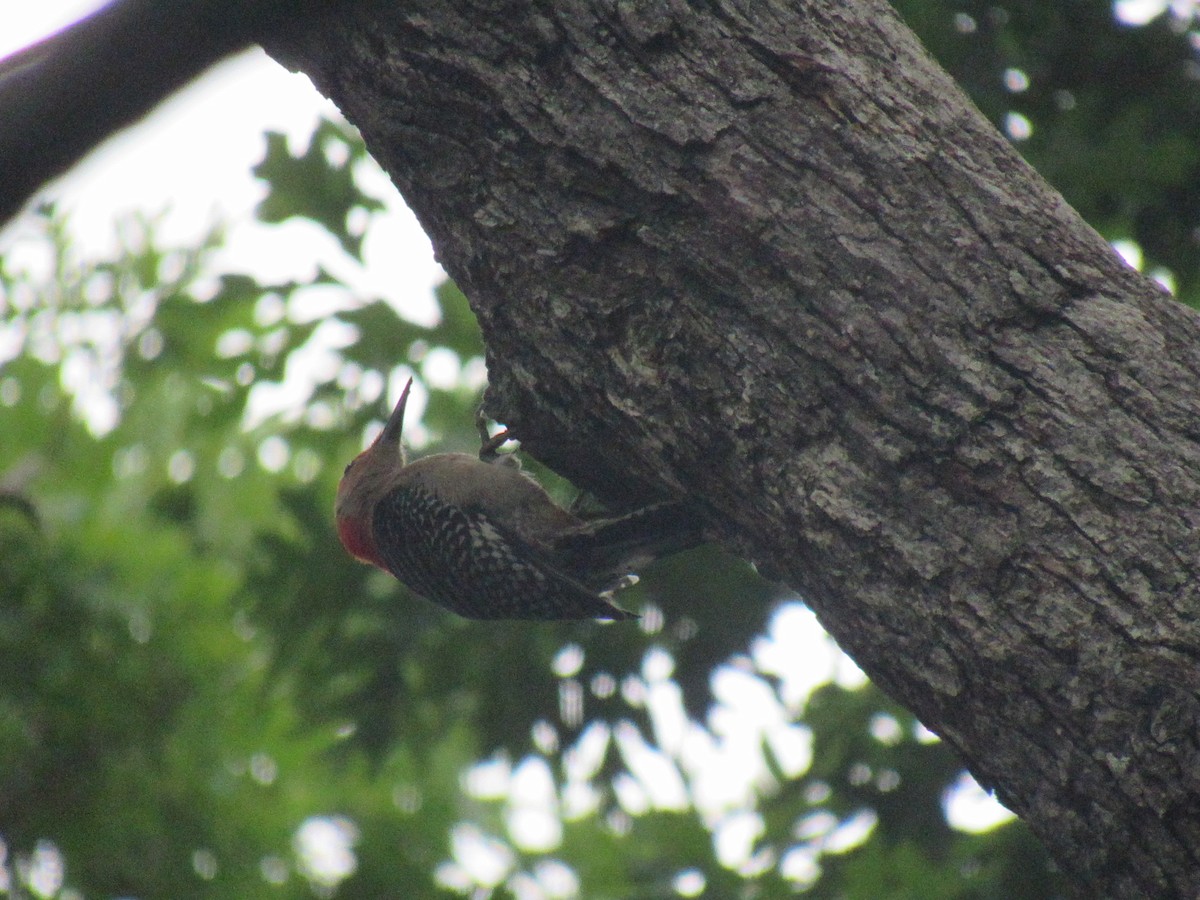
(464, 561)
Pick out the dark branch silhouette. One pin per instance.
(64, 95)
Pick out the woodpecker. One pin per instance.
(483, 539)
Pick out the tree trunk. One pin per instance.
(767, 256)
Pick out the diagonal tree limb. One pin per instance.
(768, 258)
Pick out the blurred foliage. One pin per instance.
(318, 184)
(195, 679)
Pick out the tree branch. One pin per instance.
(769, 257)
(66, 94)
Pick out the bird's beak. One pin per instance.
(395, 423)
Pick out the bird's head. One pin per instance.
(368, 476)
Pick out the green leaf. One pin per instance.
(317, 184)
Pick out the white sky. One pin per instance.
(192, 158)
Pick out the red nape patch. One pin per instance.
(357, 540)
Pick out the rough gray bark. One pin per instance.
(766, 256)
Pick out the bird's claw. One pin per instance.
(489, 444)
